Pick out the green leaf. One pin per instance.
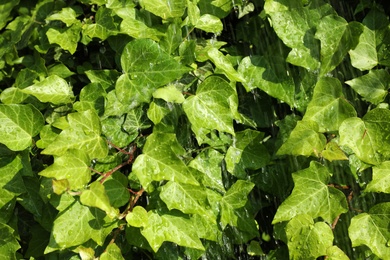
(67, 15)
(138, 217)
(172, 38)
(270, 75)
(219, 8)
(365, 137)
(312, 196)
(333, 152)
(209, 23)
(224, 64)
(104, 25)
(11, 182)
(112, 252)
(189, 199)
(373, 42)
(53, 89)
(328, 107)
(372, 86)
(380, 178)
(295, 25)
(91, 97)
(19, 124)
(9, 243)
(247, 152)
(160, 160)
(66, 38)
(72, 166)
(170, 94)
(336, 40)
(304, 140)
(306, 239)
(335, 253)
(235, 198)
(112, 129)
(96, 196)
(372, 230)
(76, 225)
(164, 8)
(116, 189)
(209, 109)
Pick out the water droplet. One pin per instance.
(388, 243)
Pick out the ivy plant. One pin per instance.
(188, 129)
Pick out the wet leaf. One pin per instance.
(166, 9)
(9, 244)
(380, 178)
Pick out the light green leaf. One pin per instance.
(367, 137)
(335, 253)
(372, 230)
(189, 199)
(235, 198)
(136, 121)
(373, 86)
(312, 196)
(219, 8)
(104, 25)
(208, 163)
(9, 243)
(91, 97)
(13, 95)
(373, 43)
(160, 160)
(175, 229)
(380, 178)
(209, 23)
(333, 152)
(113, 131)
(67, 15)
(304, 140)
(170, 94)
(106, 78)
(336, 40)
(224, 64)
(172, 38)
(96, 196)
(328, 107)
(295, 25)
(66, 38)
(83, 134)
(19, 124)
(53, 89)
(112, 252)
(76, 225)
(73, 166)
(247, 152)
(138, 217)
(209, 108)
(5, 10)
(306, 239)
(269, 75)
(166, 9)
(11, 182)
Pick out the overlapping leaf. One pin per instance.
(104, 25)
(372, 230)
(312, 196)
(328, 107)
(380, 178)
(19, 124)
(9, 243)
(164, 8)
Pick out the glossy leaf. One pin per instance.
(372, 86)
(247, 152)
(11, 181)
(372, 230)
(116, 189)
(67, 15)
(328, 107)
(9, 243)
(112, 252)
(306, 239)
(223, 63)
(164, 8)
(380, 178)
(305, 140)
(66, 38)
(19, 124)
(312, 196)
(333, 152)
(170, 94)
(209, 23)
(52, 89)
(104, 25)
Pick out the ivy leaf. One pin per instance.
(53, 89)
(209, 23)
(335, 253)
(116, 189)
(372, 230)
(9, 243)
(91, 97)
(305, 140)
(373, 42)
(164, 8)
(112, 251)
(235, 198)
(96, 196)
(328, 107)
(106, 78)
(365, 137)
(247, 152)
(318, 237)
(170, 94)
(372, 86)
(66, 38)
(380, 178)
(209, 108)
(67, 15)
(269, 75)
(11, 182)
(19, 124)
(189, 199)
(160, 160)
(76, 225)
(295, 25)
(333, 152)
(83, 134)
(72, 166)
(103, 27)
(312, 196)
(336, 40)
(224, 64)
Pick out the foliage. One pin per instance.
(186, 129)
